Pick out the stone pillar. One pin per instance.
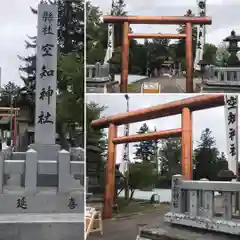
(46, 76)
(31, 171)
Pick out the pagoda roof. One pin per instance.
(232, 37)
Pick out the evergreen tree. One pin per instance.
(97, 33)
(222, 55)
(118, 8)
(9, 94)
(95, 148)
(206, 157)
(209, 54)
(170, 157)
(145, 150)
(222, 163)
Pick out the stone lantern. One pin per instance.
(233, 48)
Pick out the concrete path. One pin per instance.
(128, 228)
(168, 85)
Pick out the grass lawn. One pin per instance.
(137, 206)
(133, 87)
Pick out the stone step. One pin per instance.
(173, 232)
(41, 226)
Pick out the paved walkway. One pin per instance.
(128, 228)
(168, 85)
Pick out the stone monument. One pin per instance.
(46, 81)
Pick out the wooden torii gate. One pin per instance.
(184, 107)
(12, 113)
(175, 20)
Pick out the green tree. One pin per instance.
(118, 8)
(209, 54)
(97, 31)
(170, 154)
(96, 35)
(145, 149)
(70, 101)
(222, 55)
(95, 145)
(141, 176)
(158, 52)
(95, 137)
(206, 157)
(9, 94)
(222, 162)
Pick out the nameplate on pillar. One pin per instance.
(46, 74)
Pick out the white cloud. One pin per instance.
(216, 36)
(133, 5)
(224, 15)
(17, 21)
(210, 118)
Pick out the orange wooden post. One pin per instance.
(186, 153)
(191, 145)
(125, 53)
(189, 59)
(110, 173)
(15, 130)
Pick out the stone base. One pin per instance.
(45, 201)
(176, 232)
(42, 227)
(46, 152)
(215, 224)
(204, 88)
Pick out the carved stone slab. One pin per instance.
(42, 202)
